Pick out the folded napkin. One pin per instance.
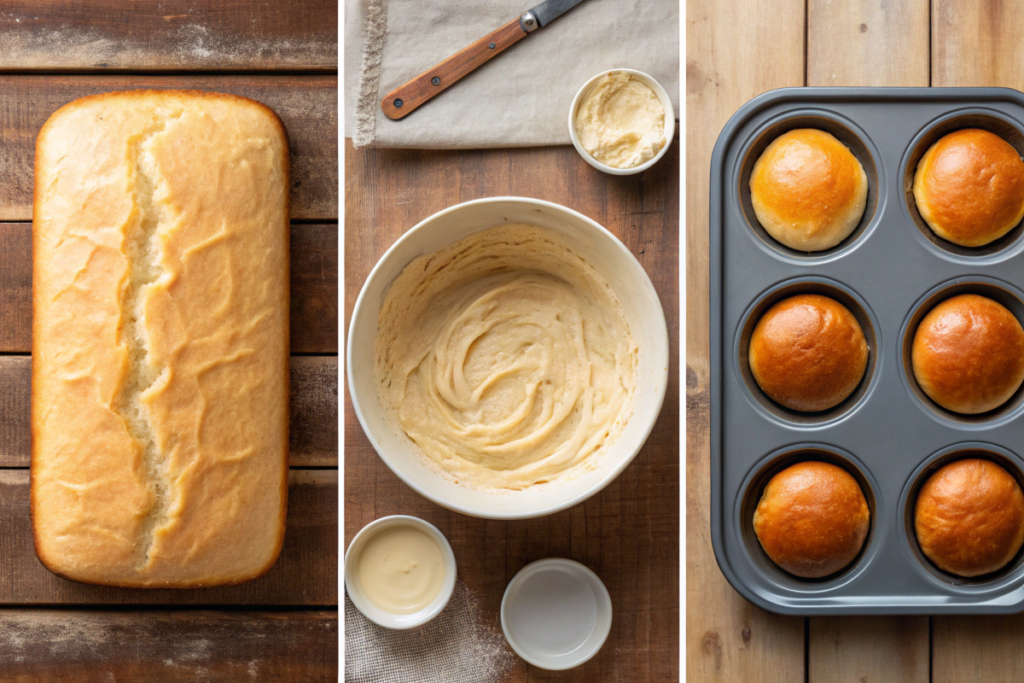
(522, 96)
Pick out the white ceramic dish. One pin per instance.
(643, 313)
(556, 614)
(670, 122)
(376, 614)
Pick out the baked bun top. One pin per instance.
(968, 354)
(808, 352)
(969, 517)
(808, 190)
(812, 519)
(969, 187)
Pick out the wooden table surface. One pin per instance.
(737, 49)
(283, 626)
(629, 533)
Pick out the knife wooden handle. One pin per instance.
(406, 98)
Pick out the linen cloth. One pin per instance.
(522, 96)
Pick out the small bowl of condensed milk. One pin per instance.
(400, 571)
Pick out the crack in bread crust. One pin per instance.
(143, 254)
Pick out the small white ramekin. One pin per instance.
(376, 614)
(670, 122)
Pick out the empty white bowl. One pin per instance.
(630, 284)
(670, 122)
(556, 614)
(380, 616)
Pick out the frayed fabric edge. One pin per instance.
(369, 77)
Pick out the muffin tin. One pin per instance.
(889, 272)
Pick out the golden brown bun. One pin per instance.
(808, 190)
(969, 517)
(812, 519)
(808, 352)
(969, 187)
(160, 339)
(968, 354)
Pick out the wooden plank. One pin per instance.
(856, 43)
(308, 106)
(867, 43)
(305, 574)
(313, 438)
(857, 649)
(314, 288)
(175, 35)
(736, 49)
(977, 44)
(83, 646)
(629, 533)
(978, 649)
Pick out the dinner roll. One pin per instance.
(969, 517)
(808, 352)
(812, 519)
(968, 354)
(969, 187)
(808, 190)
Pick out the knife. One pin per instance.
(402, 100)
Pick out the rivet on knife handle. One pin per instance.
(406, 98)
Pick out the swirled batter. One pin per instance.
(505, 358)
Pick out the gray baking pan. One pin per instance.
(889, 272)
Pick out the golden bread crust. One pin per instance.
(968, 354)
(808, 190)
(969, 517)
(808, 352)
(969, 187)
(160, 339)
(812, 519)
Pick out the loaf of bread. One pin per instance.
(160, 339)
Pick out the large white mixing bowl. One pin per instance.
(639, 302)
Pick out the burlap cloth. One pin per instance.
(521, 97)
(458, 646)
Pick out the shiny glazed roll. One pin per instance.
(808, 190)
(969, 517)
(968, 354)
(969, 187)
(808, 353)
(812, 519)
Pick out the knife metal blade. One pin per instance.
(549, 10)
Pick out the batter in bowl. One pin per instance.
(506, 358)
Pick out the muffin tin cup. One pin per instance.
(888, 273)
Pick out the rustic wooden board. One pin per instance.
(314, 288)
(736, 49)
(305, 574)
(629, 533)
(978, 649)
(313, 438)
(86, 646)
(855, 649)
(174, 35)
(308, 105)
(855, 43)
(977, 44)
(867, 43)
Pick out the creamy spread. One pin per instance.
(621, 121)
(401, 569)
(506, 358)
